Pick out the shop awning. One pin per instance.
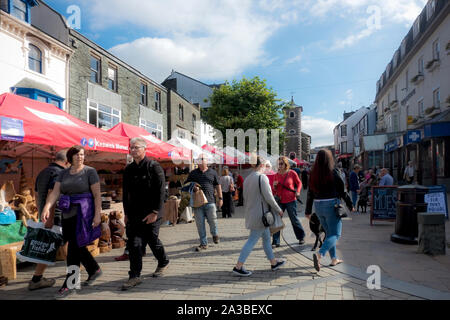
(31, 121)
(156, 148)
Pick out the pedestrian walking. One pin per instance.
(227, 185)
(258, 199)
(239, 189)
(326, 188)
(304, 177)
(287, 186)
(341, 173)
(385, 178)
(409, 173)
(354, 183)
(81, 204)
(45, 183)
(144, 187)
(208, 180)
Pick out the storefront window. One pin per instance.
(427, 160)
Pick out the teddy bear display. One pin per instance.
(105, 244)
(117, 229)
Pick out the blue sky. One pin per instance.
(327, 54)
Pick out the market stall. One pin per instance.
(31, 132)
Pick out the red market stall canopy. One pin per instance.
(30, 121)
(156, 148)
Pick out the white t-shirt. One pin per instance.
(225, 182)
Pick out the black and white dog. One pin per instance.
(317, 229)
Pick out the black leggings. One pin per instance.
(75, 254)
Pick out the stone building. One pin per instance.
(184, 118)
(104, 90)
(293, 144)
(306, 147)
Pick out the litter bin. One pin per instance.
(411, 200)
(431, 233)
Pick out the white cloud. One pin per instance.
(366, 13)
(295, 59)
(204, 39)
(220, 39)
(321, 130)
(305, 70)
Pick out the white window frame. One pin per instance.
(431, 7)
(99, 71)
(42, 61)
(158, 101)
(115, 80)
(436, 50)
(420, 108)
(96, 108)
(180, 112)
(143, 95)
(416, 27)
(147, 125)
(420, 65)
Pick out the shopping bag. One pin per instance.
(40, 244)
(187, 215)
(199, 199)
(278, 224)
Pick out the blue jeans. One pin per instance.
(354, 198)
(332, 225)
(251, 242)
(291, 208)
(208, 212)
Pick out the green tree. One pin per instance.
(247, 104)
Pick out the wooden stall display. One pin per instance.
(8, 260)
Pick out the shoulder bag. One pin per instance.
(267, 216)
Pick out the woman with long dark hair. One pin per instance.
(326, 188)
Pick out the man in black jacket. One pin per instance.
(45, 183)
(143, 203)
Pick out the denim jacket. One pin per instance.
(86, 234)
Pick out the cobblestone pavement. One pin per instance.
(207, 275)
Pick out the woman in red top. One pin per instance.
(287, 187)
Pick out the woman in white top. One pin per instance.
(255, 201)
(227, 185)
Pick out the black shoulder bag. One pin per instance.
(267, 216)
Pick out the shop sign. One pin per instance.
(413, 136)
(393, 144)
(11, 129)
(436, 198)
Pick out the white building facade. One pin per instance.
(413, 98)
(33, 64)
(344, 139)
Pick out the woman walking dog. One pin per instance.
(326, 188)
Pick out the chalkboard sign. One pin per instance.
(384, 204)
(437, 200)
